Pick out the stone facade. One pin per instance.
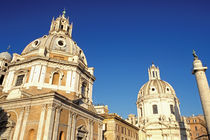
(198, 128)
(46, 92)
(116, 128)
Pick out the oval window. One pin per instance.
(36, 43)
(61, 42)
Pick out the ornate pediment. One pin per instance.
(17, 93)
(3, 97)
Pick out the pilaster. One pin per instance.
(99, 131)
(17, 128)
(69, 126)
(49, 122)
(56, 124)
(41, 122)
(27, 109)
(73, 126)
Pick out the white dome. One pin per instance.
(5, 56)
(157, 87)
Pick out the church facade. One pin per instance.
(46, 91)
(158, 110)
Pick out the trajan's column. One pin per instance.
(203, 87)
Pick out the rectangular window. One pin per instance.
(155, 109)
(1, 79)
(19, 80)
(172, 109)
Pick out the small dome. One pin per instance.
(6, 56)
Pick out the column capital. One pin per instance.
(51, 106)
(44, 107)
(27, 108)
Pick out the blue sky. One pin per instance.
(121, 39)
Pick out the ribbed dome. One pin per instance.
(58, 41)
(5, 56)
(156, 86)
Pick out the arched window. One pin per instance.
(31, 134)
(61, 136)
(153, 74)
(83, 88)
(55, 79)
(155, 109)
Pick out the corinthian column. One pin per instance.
(49, 122)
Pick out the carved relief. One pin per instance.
(6, 125)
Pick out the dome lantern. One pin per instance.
(61, 26)
(154, 72)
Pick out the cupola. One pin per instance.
(153, 72)
(61, 26)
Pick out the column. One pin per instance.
(49, 122)
(99, 131)
(91, 134)
(73, 127)
(17, 128)
(203, 88)
(89, 129)
(69, 126)
(56, 124)
(24, 123)
(41, 122)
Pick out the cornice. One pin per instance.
(80, 65)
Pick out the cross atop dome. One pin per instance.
(153, 72)
(64, 12)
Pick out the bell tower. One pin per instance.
(203, 88)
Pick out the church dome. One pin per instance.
(155, 86)
(6, 56)
(59, 41)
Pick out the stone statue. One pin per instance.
(195, 56)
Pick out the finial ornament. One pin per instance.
(64, 12)
(195, 56)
